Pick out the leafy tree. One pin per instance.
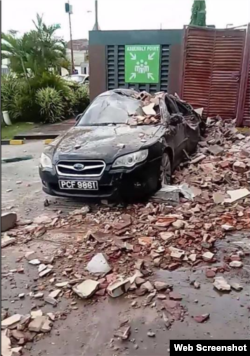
(198, 17)
(14, 49)
(36, 51)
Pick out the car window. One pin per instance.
(110, 109)
(171, 105)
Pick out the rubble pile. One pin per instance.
(118, 248)
(17, 330)
(150, 113)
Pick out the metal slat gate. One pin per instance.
(115, 61)
(243, 112)
(212, 68)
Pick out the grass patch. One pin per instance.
(8, 132)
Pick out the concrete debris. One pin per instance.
(41, 267)
(227, 227)
(8, 221)
(62, 284)
(38, 295)
(210, 273)
(145, 241)
(239, 167)
(51, 316)
(176, 253)
(16, 351)
(197, 285)
(34, 262)
(182, 189)
(123, 333)
(215, 150)
(147, 286)
(175, 296)
(151, 334)
(30, 255)
(10, 321)
(236, 264)
(86, 289)
(98, 264)
(139, 281)
(51, 300)
(208, 256)
(42, 219)
(221, 284)
(119, 287)
(201, 318)
(148, 110)
(36, 313)
(55, 293)
(192, 257)
(167, 236)
(236, 195)
(182, 230)
(5, 344)
(161, 286)
(83, 211)
(236, 286)
(6, 241)
(198, 159)
(37, 323)
(45, 272)
(218, 197)
(46, 326)
(178, 224)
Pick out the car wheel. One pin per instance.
(166, 169)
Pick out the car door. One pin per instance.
(178, 136)
(191, 126)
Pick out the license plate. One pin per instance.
(77, 184)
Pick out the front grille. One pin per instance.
(89, 169)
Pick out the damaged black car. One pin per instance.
(125, 145)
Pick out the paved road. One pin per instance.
(88, 330)
(22, 178)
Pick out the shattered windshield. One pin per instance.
(110, 109)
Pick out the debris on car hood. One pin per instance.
(150, 112)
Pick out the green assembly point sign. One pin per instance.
(142, 63)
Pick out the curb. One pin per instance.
(48, 141)
(12, 142)
(37, 136)
(16, 159)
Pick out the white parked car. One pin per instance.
(79, 78)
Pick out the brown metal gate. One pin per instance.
(243, 112)
(212, 67)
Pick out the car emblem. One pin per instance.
(78, 167)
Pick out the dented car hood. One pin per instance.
(104, 142)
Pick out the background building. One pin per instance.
(81, 55)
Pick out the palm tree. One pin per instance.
(13, 48)
(37, 51)
(51, 50)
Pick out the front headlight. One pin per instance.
(131, 159)
(45, 161)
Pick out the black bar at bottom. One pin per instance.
(225, 347)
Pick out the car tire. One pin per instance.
(165, 170)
